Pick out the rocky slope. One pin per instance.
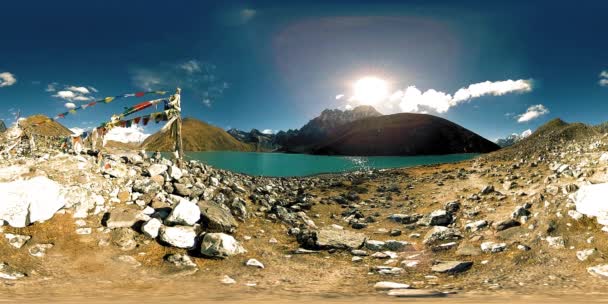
(197, 136)
(496, 226)
(552, 136)
(46, 128)
(318, 129)
(402, 134)
(2, 126)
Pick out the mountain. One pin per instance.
(318, 129)
(261, 141)
(196, 136)
(551, 136)
(42, 125)
(512, 139)
(402, 134)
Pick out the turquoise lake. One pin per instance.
(285, 165)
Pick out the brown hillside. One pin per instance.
(551, 136)
(41, 125)
(403, 134)
(196, 136)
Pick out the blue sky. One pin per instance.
(277, 64)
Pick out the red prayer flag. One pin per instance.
(140, 94)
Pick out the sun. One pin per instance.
(370, 90)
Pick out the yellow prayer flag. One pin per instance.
(108, 99)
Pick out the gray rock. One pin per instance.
(157, 169)
(151, 228)
(115, 169)
(17, 240)
(254, 263)
(178, 236)
(39, 250)
(467, 249)
(182, 190)
(440, 233)
(452, 267)
(583, 255)
(436, 218)
(215, 218)
(180, 261)
(124, 238)
(506, 224)
(474, 226)
(339, 239)
(9, 273)
(487, 189)
(146, 185)
(175, 173)
(398, 246)
(493, 247)
(220, 245)
(600, 271)
(123, 218)
(374, 245)
(184, 213)
(404, 218)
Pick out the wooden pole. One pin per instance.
(179, 148)
(178, 141)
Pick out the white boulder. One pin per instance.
(590, 200)
(220, 245)
(184, 213)
(151, 228)
(28, 201)
(178, 236)
(175, 172)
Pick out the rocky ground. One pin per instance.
(125, 225)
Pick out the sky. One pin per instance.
(495, 68)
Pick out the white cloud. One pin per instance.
(267, 131)
(603, 78)
(71, 93)
(526, 133)
(93, 89)
(82, 98)
(191, 66)
(68, 95)
(532, 113)
(207, 102)
(497, 88)
(348, 107)
(51, 87)
(69, 105)
(81, 90)
(339, 96)
(413, 99)
(127, 135)
(7, 79)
